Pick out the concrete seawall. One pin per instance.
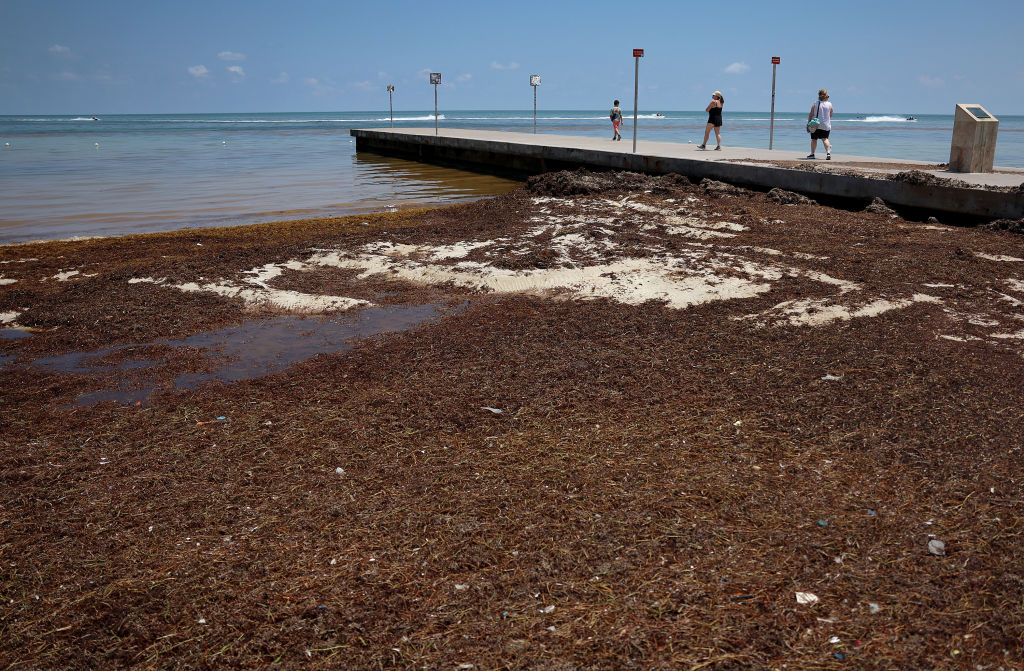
(848, 177)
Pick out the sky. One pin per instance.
(180, 56)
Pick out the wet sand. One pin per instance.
(620, 421)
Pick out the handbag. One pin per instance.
(813, 124)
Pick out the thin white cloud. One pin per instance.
(364, 85)
(60, 50)
(319, 86)
(932, 82)
(68, 76)
(737, 68)
(198, 71)
(237, 73)
(282, 78)
(495, 65)
(233, 56)
(464, 78)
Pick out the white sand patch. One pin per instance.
(18, 261)
(958, 338)
(1019, 335)
(458, 251)
(264, 274)
(1009, 299)
(774, 252)
(998, 257)
(726, 225)
(630, 281)
(1015, 284)
(291, 301)
(939, 286)
(392, 249)
(7, 280)
(690, 227)
(818, 312)
(566, 202)
(845, 286)
(66, 275)
(8, 317)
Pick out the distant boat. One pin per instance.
(911, 118)
(659, 114)
(95, 118)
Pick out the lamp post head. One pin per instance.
(534, 80)
(435, 77)
(390, 88)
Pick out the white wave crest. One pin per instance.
(883, 119)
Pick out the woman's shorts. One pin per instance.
(820, 134)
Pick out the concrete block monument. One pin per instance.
(974, 139)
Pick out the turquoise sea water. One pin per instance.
(63, 176)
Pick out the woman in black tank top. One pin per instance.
(714, 110)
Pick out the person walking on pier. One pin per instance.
(616, 117)
(822, 110)
(714, 110)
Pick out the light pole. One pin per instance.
(637, 54)
(435, 79)
(771, 127)
(534, 82)
(391, 103)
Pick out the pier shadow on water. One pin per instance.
(246, 351)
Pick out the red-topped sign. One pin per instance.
(776, 60)
(637, 53)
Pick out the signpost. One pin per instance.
(534, 82)
(637, 54)
(771, 128)
(391, 103)
(435, 79)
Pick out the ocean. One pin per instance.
(68, 176)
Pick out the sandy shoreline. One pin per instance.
(606, 421)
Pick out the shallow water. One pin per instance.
(246, 351)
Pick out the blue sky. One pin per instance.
(139, 56)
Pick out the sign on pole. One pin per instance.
(637, 54)
(391, 103)
(534, 82)
(435, 79)
(771, 127)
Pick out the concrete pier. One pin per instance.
(850, 177)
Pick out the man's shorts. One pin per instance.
(616, 124)
(820, 134)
